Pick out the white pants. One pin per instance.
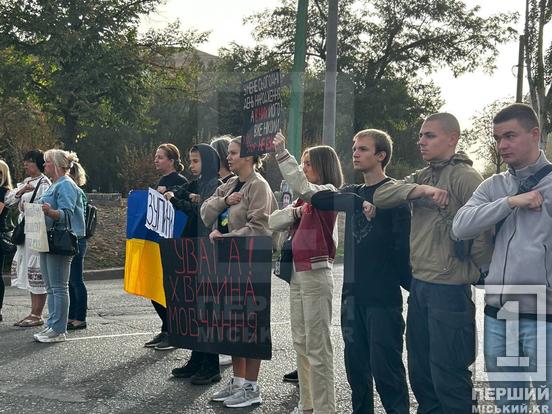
(311, 317)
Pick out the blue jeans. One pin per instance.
(515, 393)
(78, 296)
(55, 271)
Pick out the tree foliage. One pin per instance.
(85, 60)
(479, 138)
(376, 37)
(385, 49)
(85, 75)
(22, 127)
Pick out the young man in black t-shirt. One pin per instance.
(376, 266)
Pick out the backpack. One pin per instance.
(90, 220)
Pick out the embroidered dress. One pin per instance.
(25, 269)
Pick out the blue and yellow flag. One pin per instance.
(143, 269)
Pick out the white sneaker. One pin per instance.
(51, 336)
(225, 360)
(228, 391)
(246, 396)
(42, 332)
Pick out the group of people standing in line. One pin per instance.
(435, 234)
(53, 180)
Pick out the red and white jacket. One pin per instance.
(315, 237)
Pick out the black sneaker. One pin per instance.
(205, 376)
(157, 339)
(187, 371)
(291, 377)
(164, 344)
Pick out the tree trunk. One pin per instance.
(70, 131)
(536, 68)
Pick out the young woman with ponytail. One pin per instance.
(168, 164)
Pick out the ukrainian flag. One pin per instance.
(143, 269)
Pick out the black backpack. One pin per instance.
(90, 220)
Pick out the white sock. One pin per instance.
(238, 381)
(253, 384)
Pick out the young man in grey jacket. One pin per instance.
(522, 256)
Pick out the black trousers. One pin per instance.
(373, 353)
(162, 312)
(440, 338)
(208, 362)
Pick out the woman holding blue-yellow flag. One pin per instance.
(143, 270)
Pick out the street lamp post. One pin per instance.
(295, 124)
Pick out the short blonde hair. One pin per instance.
(5, 180)
(67, 161)
(257, 159)
(382, 143)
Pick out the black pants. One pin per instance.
(2, 286)
(373, 353)
(440, 338)
(208, 362)
(162, 312)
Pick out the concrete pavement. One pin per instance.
(106, 369)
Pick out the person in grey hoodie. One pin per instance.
(522, 256)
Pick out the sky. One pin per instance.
(464, 96)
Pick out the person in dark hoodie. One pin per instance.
(202, 368)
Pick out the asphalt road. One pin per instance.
(106, 369)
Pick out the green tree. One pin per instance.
(479, 140)
(86, 62)
(384, 49)
(404, 36)
(23, 127)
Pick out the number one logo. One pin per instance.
(510, 313)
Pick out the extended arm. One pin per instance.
(344, 200)
(480, 213)
(281, 220)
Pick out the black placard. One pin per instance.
(261, 113)
(218, 294)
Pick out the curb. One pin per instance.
(105, 274)
(100, 274)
